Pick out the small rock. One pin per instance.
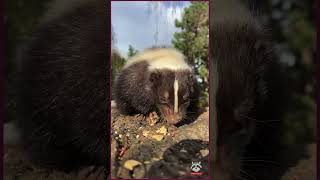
(145, 133)
(155, 159)
(139, 172)
(204, 152)
(146, 162)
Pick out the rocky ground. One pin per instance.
(140, 149)
(18, 167)
(144, 148)
(147, 149)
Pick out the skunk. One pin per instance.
(241, 51)
(160, 80)
(63, 87)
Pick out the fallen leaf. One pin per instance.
(162, 130)
(157, 137)
(130, 164)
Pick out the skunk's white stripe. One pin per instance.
(176, 98)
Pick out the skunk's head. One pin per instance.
(242, 52)
(173, 92)
(170, 79)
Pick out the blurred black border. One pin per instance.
(2, 45)
(2, 83)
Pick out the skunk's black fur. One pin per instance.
(64, 88)
(241, 50)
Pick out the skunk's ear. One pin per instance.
(191, 77)
(155, 76)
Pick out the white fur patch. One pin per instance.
(166, 94)
(161, 58)
(176, 97)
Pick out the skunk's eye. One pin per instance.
(186, 99)
(163, 100)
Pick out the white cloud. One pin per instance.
(174, 13)
(133, 25)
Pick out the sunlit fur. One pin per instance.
(161, 58)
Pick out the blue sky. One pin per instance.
(134, 25)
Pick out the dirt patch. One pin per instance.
(158, 150)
